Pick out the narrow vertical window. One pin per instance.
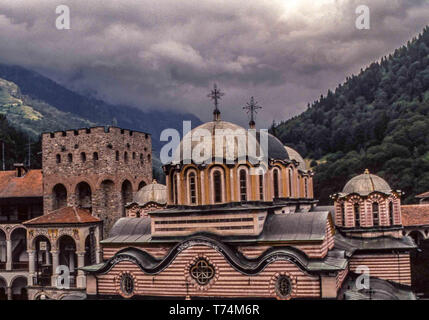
(357, 214)
(243, 185)
(343, 214)
(375, 214)
(391, 217)
(58, 158)
(83, 156)
(175, 188)
(117, 155)
(290, 182)
(261, 187)
(217, 187)
(276, 183)
(305, 188)
(70, 157)
(95, 156)
(192, 188)
(126, 157)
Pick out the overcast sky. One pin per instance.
(166, 54)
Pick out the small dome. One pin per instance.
(154, 192)
(365, 184)
(294, 155)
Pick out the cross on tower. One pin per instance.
(252, 107)
(216, 95)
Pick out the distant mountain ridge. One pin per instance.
(34, 103)
(378, 120)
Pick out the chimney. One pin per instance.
(20, 169)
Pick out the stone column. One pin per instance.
(48, 258)
(31, 267)
(8, 254)
(81, 279)
(9, 293)
(55, 263)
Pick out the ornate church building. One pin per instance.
(226, 232)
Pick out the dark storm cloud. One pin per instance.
(166, 54)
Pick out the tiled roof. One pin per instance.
(63, 215)
(415, 214)
(423, 195)
(30, 185)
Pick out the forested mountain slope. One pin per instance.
(378, 119)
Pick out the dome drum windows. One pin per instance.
(217, 187)
(243, 185)
(391, 216)
(356, 211)
(192, 188)
(375, 214)
(276, 183)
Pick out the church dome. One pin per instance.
(365, 184)
(294, 155)
(276, 149)
(154, 192)
(188, 148)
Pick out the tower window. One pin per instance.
(117, 155)
(217, 187)
(357, 214)
(126, 157)
(83, 156)
(243, 185)
(375, 214)
(95, 156)
(58, 158)
(70, 157)
(261, 187)
(192, 188)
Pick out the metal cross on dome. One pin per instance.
(215, 95)
(252, 107)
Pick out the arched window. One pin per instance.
(217, 186)
(343, 214)
(192, 188)
(58, 158)
(261, 187)
(243, 185)
(70, 157)
(290, 182)
(83, 156)
(375, 214)
(357, 214)
(305, 188)
(276, 183)
(391, 217)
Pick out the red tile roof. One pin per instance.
(30, 185)
(423, 195)
(415, 214)
(64, 215)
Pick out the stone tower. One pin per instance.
(97, 168)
